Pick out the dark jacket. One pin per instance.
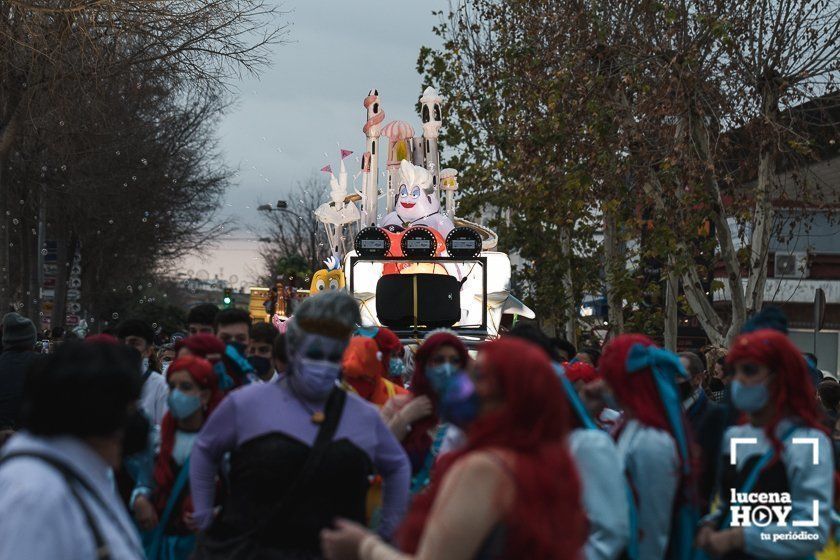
(13, 367)
(708, 420)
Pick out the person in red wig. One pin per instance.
(592, 389)
(209, 347)
(362, 369)
(193, 395)
(653, 442)
(771, 385)
(203, 345)
(390, 351)
(414, 418)
(604, 495)
(392, 354)
(511, 492)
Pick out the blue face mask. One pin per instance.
(369, 332)
(749, 398)
(440, 376)
(314, 379)
(182, 405)
(315, 366)
(459, 405)
(396, 367)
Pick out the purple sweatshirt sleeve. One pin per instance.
(393, 466)
(217, 437)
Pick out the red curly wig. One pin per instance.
(202, 373)
(546, 519)
(636, 392)
(791, 392)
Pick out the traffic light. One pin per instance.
(227, 297)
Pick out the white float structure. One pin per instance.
(375, 116)
(432, 121)
(404, 153)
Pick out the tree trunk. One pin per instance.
(5, 284)
(763, 218)
(672, 291)
(695, 295)
(614, 265)
(64, 255)
(569, 307)
(27, 266)
(8, 132)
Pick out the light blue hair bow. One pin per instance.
(666, 366)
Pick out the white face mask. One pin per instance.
(165, 367)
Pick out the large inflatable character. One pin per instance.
(418, 203)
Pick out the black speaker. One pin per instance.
(424, 300)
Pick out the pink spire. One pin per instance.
(345, 153)
(326, 169)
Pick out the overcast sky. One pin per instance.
(310, 101)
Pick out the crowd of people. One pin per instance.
(335, 441)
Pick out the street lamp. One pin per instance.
(282, 206)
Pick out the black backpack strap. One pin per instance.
(103, 552)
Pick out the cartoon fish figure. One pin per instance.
(417, 202)
(330, 278)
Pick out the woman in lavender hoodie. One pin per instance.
(269, 429)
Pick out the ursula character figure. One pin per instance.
(417, 201)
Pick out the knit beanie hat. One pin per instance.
(18, 332)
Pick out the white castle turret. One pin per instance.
(367, 218)
(432, 121)
(449, 185)
(375, 116)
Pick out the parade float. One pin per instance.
(400, 248)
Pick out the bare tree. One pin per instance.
(131, 175)
(297, 242)
(51, 50)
